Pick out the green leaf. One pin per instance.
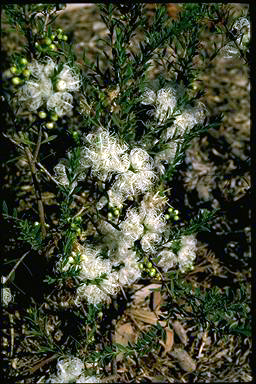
(5, 208)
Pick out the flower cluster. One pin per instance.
(71, 370)
(107, 156)
(184, 257)
(241, 29)
(41, 91)
(164, 101)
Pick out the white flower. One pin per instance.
(187, 253)
(242, 29)
(6, 293)
(105, 154)
(35, 93)
(130, 272)
(91, 265)
(67, 80)
(61, 103)
(131, 226)
(140, 159)
(164, 101)
(92, 293)
(149, 241)
(168, 260)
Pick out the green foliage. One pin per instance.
(30, 233)
(224, 312)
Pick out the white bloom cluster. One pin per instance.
(6, 293)
(164, 100)
(40, 91)
(187, 253)
(71, 370)
(242, 29)
(184, 258)
(106, 155)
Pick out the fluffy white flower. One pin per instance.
(34, 94)
(130, 272)
(71, 370)
(67, 80)
(168, 260)
(105, 154)
(131, 226)
(91, 265)
(92, 293)
(164, 101)
(61, 103)
(187, 253)
(149, 241)
(140, 159)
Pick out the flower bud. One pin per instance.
(170, 209)
(110, 215)
(47, 41)
(65, 37)
(52, 37)
(54, 117)
(152, 272)
(116, 212)
(26, 73)
(176, 217)
(13, 69)
(23, 61)
(49, 125)
(59, 30)
(59, 36)
(42, 114)
(167, 216)
(16, 80)
(53, 47)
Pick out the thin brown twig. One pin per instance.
(16, 266)
(38, 144)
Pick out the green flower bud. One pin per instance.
(170, 209)
(59, 36)
(167, 216)
(158, 276)
(75, 134)
(16, 80)
(13, 69)
(152, 272)
(65, 37)
(141, 266)
(149, 265)
(110, 215)
(42, 114)
(23, 61)
(52, 37)
(54, 116)
(53, 47)
(47, 41)
(176, 211)
(36, 224)
(59, 30)
(49, 125)
(116, 212)
(26, 72)
(176, 218)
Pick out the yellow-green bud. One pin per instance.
(176, 217)
(16, 80)
(26, 73)
(149, 265)
(59, 30)
(170, 209)
(42, 114)
(176, 211)
(141, 266)
(13, 69)
(59, 36)
(49, 125)
(36, 223)
(110, 215)
(52, 47)
(37, 45)
(167, 216)
(47, 41)
(52, 37)
(23, 61)
(78, 231)
(65, 37)
(75, 134)
(116, 212)
(158, 276)
(152, 272)
(54, 117)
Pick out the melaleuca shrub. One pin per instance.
(126, 135)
